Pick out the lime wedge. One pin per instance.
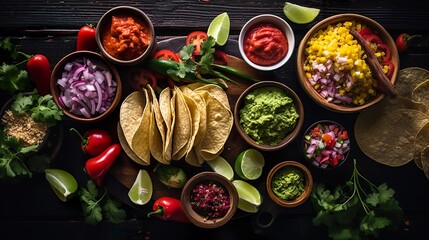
(221, 166)
(219, 28)
(249, 197)
(62, 182)
(249, 164)
(141, 191)
(300, 14)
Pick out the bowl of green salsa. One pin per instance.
(268, 115)
(289, 183)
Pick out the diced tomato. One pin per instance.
(315, 132)
(166, 54)
(196, 38)
(344, 135)
(326, 137)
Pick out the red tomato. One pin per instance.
(373, 39)
(391, 68)
(39, 70)
(196, 38)
(141, 78)
(86, 39)
(166, 54)
(401, 42)
(365, 31)
(387, 53)
(220, 57)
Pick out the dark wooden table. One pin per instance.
(28, 207)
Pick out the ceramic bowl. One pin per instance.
(275, 21)
(302, 56)
(328, 157)
(308, 183)
(289, 136)
(58, 93)
(206, 178)
(103, 32)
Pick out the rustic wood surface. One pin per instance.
(29, 208)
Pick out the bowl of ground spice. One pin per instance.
(268, 115)
(125, 35)
(209, 200)
(289, 183)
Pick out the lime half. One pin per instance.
(249, 197)
(249, 164)
(219, 28)
(62, 182)
(221, 166)
(300, 14)
(141, 191)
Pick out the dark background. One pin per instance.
(29, 208)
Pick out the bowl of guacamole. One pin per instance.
(268, 115)
(289, 183)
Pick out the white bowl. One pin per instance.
(279, 23)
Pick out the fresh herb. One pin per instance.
(42, 108)
(12, 157)
(94, 206)
(358, 209)
(12, 78)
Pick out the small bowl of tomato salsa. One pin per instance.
(266, 42)
(125, 35)
(326, 144)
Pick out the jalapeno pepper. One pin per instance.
(94, 141)
(169, 209)
(98, 167)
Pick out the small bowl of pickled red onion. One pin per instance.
(85, 86)
(326, 144)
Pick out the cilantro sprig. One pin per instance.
(357, 209)
(94, 206)
(12, 78)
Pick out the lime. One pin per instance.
(62, 182)
(221, 166)
(141, 191)
(300, 14)
(219, 28)
(249, 197)
(249, 164)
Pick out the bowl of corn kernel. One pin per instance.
(333, 67)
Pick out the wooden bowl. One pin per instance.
(289, 137)
(279, 23)
(301, 57)
(56, 91)
(103, 27)
(200, 220)
(322, 166)
(308, 184)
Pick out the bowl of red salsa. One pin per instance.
(326, 144)
(125, 35)
(266, 42)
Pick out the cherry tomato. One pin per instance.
(86, 39)
(166, 54)
(141, 77)
(39, 70)
(196, 38)
(403, 41)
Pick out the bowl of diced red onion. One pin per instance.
(209, 200)
(85, 86)
(326, 144)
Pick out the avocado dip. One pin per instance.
(288, 183)
(268, 115)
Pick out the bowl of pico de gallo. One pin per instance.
(326, 144)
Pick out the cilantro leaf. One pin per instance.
(11, 152)
(13, 79)
(21, 104)
(90, 205)
(113, 211)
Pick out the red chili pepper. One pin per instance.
(94, 141)
(39, 70)
(98, 167)
(86, 39)
(403, 41)
(169, 209)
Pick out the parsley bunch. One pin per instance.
(358, 209)
(12, 78)
(95, 207)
